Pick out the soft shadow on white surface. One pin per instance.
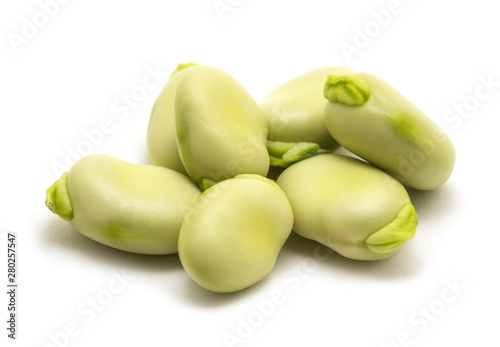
(435, 203)
(58, 234)
(402, 264)
(296, 250)
(144, 158)
(193, 294)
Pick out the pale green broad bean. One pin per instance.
(348, 205)
(232, 234)
(221, 131)
(162, 146)
(295, 110)
(135, 208)
(295, 115)
(370, 118)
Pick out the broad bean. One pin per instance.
(135, 208)
(370, 118)
(162, 147)
(295, 115)
(221, 131)
(232, 234)
(349, 205)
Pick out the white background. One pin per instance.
(69, 73)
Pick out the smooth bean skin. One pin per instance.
(387, 130)
(295, 110)
(232, 234)
(134, 208)
(162, 146)
(221, 131)
(352, 207)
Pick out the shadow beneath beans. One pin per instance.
(296, 250)
(274, 172)
(402, 264)
(433, 203)
(60, 235)
(194, 294)
(145, 159)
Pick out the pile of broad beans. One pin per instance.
(207, 197)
